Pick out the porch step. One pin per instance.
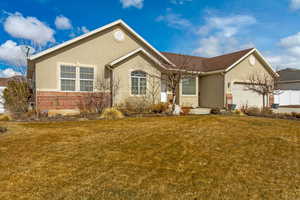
(200, 111)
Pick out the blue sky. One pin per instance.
(199, 27)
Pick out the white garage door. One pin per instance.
(242, 97)
(1, 100)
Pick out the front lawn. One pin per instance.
(205, 157)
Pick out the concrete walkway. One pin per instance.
(200, 111)
(286, 110)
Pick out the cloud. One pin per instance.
(289, 53)
(174, 20)
(8, 72)
(79, 31)
(29, 28)
(295, 4)
(84, 29)
(63, 23)
(12, 54)
(180, 2)
(132, 3)
(220, 35)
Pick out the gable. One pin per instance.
(122, 25)
(97, 50)
(242, 70)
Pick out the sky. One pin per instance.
(197, 27)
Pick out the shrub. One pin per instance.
(16, 96)
(159, 108)
(5, 117)
(253, 111)
(111, 113)
(239, 112)
(215, 111)
(267, 111)
(3, 129)
(295, 114)
(136, 105)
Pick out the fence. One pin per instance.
(288, 97)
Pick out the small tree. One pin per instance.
(262, 84)
(174, 74)
(17, 95)
(105, 91)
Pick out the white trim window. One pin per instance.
(138, 83)
(86, 79)
(189, 86)
(76, 78)
(67, 78)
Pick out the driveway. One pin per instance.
(286, 110)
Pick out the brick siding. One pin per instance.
(65, 100)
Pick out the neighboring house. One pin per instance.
(289, 84)
(64, 74)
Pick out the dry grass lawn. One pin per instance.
(206, 157)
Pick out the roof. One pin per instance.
(139, 50)
(289, 74)
(118, 22)
(207, 64)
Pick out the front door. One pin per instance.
(163, 93)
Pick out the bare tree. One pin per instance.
(174, 75)
(153, 88)
(262, 84)
(101, 98)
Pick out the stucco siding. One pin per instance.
(211, 91)
(122, 74)
(97, 50)
(243, 70)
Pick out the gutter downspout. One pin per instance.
(111, 84)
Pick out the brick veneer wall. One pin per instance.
(64, 100)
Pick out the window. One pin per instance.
(189, 86)
(86, 78)
(138, 83)
(67, 78)
(73, 78)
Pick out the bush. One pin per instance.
(159, 108)
(111, 113)
(253, 111)
(215, 111)
(296, 115)
(16, 96)
(5, 117)
(136, 105)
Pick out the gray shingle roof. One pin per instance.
(289, 74)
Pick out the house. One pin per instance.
(289, 84)
(63, 75)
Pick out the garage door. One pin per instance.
(242, 97)
(2, 110)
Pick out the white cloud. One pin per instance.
(132, 3)
(174, 20)
(295, 4)
(220, 35)
(180, 2)
(63, 23)
(12, 54)
(229, 26)
(84, 29)
(8, 72)
(289, 53)
(29, 28)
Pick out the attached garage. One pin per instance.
(242, 97)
